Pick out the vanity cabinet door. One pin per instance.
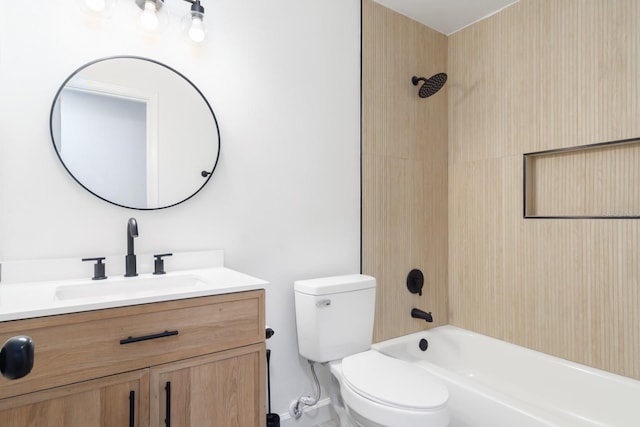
(224, 389)
(118, 400)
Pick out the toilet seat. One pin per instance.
(392, 392)
(393, 382)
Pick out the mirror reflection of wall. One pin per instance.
(103, 140)
(135, 132)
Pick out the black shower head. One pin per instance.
(430, 85)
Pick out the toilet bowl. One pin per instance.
(334, 322)
(378, 390)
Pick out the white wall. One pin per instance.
(283, 78)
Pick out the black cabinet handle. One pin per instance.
(131, 340)
(132, 408)
(167, 419)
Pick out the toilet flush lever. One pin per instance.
(323, 303)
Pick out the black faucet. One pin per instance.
(130, 259)
(419, 314)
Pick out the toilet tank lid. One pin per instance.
(334, 284)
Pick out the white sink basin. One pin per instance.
(129, 286)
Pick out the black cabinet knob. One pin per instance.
(16, 357)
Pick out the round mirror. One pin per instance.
(135, 132)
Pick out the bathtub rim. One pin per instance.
(461, 331)
(552, 416)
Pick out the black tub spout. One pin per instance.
(419, 314)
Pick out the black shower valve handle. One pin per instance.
(415, 281)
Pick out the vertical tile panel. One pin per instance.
(404, 169)
(544, 74)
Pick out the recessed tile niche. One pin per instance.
(591, 181)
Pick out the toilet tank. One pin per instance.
(334, 316)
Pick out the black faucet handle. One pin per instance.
(98, 268)
(159, 263)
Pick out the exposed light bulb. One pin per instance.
(149, 18)
(96, 5)
(196, 30)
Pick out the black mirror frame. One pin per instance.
(205, 174)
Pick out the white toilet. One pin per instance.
(334, 319)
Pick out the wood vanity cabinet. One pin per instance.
(192, 362)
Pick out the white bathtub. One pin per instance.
(496, 384)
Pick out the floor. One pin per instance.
(329, 424)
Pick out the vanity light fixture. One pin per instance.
(154, 15)
(193, 23)
(149, 16)
(153, 12)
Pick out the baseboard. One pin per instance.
(312, 416)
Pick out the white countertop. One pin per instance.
(36, 299)
(27, 299)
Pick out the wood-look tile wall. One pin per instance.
(404, 162)
(543, 74)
